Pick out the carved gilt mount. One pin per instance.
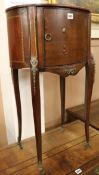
(66, 70)
(34, 69)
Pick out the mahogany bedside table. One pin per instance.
(52, 38)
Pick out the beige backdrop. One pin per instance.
(3, 136)
(74, 90)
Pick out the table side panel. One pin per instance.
(18, 37)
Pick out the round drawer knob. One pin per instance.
(48, 37)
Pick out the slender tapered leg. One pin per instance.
(90, 71)
(62, 93)
(37, 117)
(18, 103)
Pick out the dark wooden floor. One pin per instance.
(78, 113)
(63, 153)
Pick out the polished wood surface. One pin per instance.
(56, 39)
(47, 5)
(37, 115)
(60, 157)
(62, 92)
(71, 37)
(19, 41)
(90, 69)
(69, 40)
(18, 103)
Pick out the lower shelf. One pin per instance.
(78, 113)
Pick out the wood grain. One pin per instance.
(63, 152)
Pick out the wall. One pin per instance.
(3, 136)
(74, 90)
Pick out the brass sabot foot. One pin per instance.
(62, 128)
(87, 145)
(20, 144)
(41, 169)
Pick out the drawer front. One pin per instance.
(66, 36)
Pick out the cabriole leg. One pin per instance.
(90, 71)
(62, 93)
(37, 117)
(18, 103)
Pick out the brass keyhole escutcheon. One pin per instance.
(71, 71)
(48, 37)
(65, 52)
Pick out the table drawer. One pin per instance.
(66, 36)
